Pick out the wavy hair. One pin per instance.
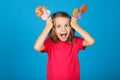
(52, 33)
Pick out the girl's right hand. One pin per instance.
(49, 23)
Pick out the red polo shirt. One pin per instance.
(63, 62)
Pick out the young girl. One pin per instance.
(62, 46)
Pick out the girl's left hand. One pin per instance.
(74, 22)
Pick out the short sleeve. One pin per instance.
(79, 42)
(46, 45)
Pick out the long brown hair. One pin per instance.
(52, 33)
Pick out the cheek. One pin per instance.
(68, 29)
(57, 31)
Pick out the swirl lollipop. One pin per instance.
(45, 15)
(42, 12)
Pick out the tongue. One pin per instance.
(63, 36)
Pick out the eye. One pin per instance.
(58, 26)
(67, 25)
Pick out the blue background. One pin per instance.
(20, 27)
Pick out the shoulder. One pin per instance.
(79, 43)
(78, 38)
(48, 41)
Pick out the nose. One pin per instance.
(63, 29)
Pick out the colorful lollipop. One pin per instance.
(42, 12)
(78, 12)
(45, 15)
(75, 11)
(83, 8)
(78, 15)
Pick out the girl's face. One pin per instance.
(62, 28)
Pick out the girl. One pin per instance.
(62, 46)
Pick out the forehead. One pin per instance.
(61, 20)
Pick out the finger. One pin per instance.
(74, 19)
(50, 19)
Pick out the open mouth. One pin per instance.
(63, 35)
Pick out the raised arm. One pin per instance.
(88, 39)
(39, 42)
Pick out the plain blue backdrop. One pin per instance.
(20, 27)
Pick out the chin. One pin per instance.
(63, 40)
